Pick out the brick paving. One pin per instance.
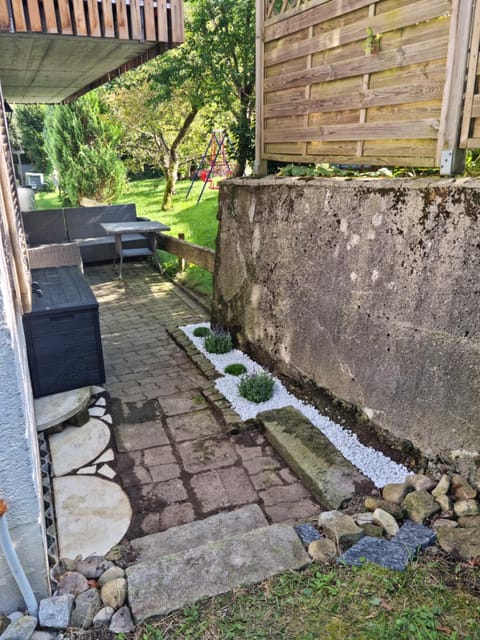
(175, 458)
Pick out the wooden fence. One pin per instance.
(377, 82)
(203, 257)
(143, 20)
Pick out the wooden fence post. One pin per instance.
(182, 264)
(260, 167)
(450, 157)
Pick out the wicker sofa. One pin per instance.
(82, 226)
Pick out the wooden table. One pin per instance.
(117, 229)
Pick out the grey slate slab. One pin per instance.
(376, 550)
(160, 586)
(414, 537)
(330, 477)
(307, 533)
(195, 534)
(21, 629)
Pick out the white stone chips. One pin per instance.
(373, 464)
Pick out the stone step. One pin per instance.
(200, 532)
(330, 477)
(160, 586)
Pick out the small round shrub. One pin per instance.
(218, 342)
(201, 332)
(256, 387)
(235, 369)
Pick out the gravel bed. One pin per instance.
(373, 464)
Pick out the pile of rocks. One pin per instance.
(391, 530)
(90, 592)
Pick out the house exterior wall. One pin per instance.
(367, 288)
(20, 481)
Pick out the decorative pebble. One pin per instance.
(122, 621)
(103, 617)
(114, 593)
(111, 574)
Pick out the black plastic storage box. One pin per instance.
(63, 332)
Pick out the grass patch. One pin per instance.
(334, 603)
(197, 222)
(256, 387)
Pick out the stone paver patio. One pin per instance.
(175, 459)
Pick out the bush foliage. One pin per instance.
(218, 342)
(256, 387)
(235, 369)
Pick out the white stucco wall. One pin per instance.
(20, 483)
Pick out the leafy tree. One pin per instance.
(30, 123)
(82, 146)
(223, 36)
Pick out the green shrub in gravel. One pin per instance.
(218, 342)
(256, 387)
(235, 369)
(201, 332)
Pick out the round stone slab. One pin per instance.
(75, 447)
(55, 409)
(93, 515)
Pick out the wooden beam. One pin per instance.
(108, 26)
(79, 19)
(260, 166)
(457, 62)
(122, 20)
(176, 19)
(471, 102)
(135, 21)
(93, 18)
(19, 16)
(201, 256)
(149, 21)
(4, 16)
(65, 18)
(162, 21)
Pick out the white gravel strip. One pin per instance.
(373, 464)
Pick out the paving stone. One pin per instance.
(133, 437)
(292, 512)
(193, 426)
(164, 472)
(377, 550)
(170, 491)
(263, 463)
(158, 587)
(288, 493)
(20, 629)
(158, 455)
(288, 476)
(237, 485)
(266, 479)
(414, 537)
(203, 455)
(175, 515)
(200, 532)
(55, 612)
(57, 408)
(182, 403)
(322, 468)
(74, 447)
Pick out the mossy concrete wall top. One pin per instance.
(368, 288)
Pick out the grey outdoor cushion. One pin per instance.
(84, 222)
(44, 227)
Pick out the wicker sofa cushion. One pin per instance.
(85, 222)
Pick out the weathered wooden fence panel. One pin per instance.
(355, 81)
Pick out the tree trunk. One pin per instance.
(172, 173)
(244, 134)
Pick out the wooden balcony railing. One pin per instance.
(134, 20)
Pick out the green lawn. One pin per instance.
(431, 600)
(197, 222)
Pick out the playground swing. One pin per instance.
(219, 165)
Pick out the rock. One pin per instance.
(4, 622)
(54, 613)
(71, 582)
(113, 593)
(376, 550)
(87, 605)
(15, 615)
(463, 543)
(462, 489)
(420, 506)
(386, 520)
(20, 629)
(93, 566)
(467, 522)
(393, 509)
(414, 537)
(340, 528)
(45, 635)
(110, 574)
(464, 508)
(444, 502)
(396, 491)
(307, 533)
(323, 550)
(420, 482)
(442, 487)
(363, 518)
(103, 617)
(372, 530)
(122, 621)
(445, 523)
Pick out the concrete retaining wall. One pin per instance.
(368, 288)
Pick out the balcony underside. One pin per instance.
(51, 68)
